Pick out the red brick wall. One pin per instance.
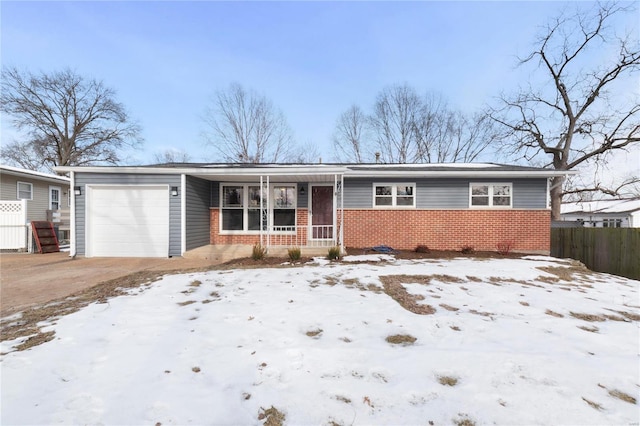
(302, 219)
(448, 229)
(529, 230)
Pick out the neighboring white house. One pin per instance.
(604, 213)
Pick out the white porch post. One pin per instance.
(342, 213)
(265, 237)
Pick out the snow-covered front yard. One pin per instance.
(504, 342)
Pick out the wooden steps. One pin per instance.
(45, 237)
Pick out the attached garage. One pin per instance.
(127, 220)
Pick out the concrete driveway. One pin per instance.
(31, 279)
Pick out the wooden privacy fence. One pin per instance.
(612, 250)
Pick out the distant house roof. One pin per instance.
(349, 170)
(601, 206)
(15, 171)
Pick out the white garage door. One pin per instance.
(127, 221)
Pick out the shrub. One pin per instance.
(294, 254)
(504, 247)
(421, 248)
(258, 252)
(467, 249)
(334, 253)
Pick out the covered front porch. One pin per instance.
(289, 207)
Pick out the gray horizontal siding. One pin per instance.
(82, 179)
(446, 193)
(198, 200)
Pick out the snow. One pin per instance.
(252, 334)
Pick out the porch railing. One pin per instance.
(301, 236)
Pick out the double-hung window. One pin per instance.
(284, 208)
(241, 208)
(490, 195)
(400, 195)
(25, 191)
(611, 223)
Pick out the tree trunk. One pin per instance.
(557, 184)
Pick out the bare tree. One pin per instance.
(69, 120)
(583, 111)
(407, 128)
(350, 136)
(171, 156)
(245, 127)
(393, 123)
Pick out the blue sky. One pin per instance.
(312, 59)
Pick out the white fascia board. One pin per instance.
(213, 171)
(460, 173)
(14, 171)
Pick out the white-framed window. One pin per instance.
(497, 195)
(25, 191)
(612, 223)
(55, 198)
(240, 207)
(394, 195)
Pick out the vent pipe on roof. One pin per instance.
(377, 157)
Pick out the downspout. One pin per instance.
(183, 214)
(342, 213)
(72, 215)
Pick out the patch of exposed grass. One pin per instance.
(449, 307)
(622, 396)
(448, 380)
(196, 369)
(587, 317)
(628, 315)
(343, 399)
(36, 340)
(464, 420)
(474, 279)
(614, 318)
(330, 280)
(592, 404)
(524, 303)
(393, 287)
(314, 333)
(574, 272)
(272, 416)
(401, 339)
(593, 329)
(185, 303)
(447, 278)
(484, 314)
(553, 313)
(454, 327)
(195, 283)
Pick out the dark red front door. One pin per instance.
(322, 212)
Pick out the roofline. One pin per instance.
(285, 170)
(319, 169)
(542, 173)
(16, 171)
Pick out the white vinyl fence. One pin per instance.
(13, 225)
